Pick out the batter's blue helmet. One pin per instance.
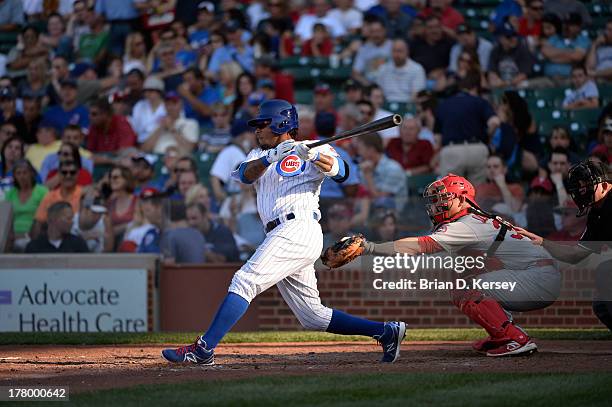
(279, 114)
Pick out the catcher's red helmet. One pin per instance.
(439, 194)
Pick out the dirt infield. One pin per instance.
(86, 368)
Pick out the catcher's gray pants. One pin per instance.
(536, 287)
(286, 258)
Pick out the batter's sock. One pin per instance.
(346, 324)
(231, 310)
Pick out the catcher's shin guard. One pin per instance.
(487, 313)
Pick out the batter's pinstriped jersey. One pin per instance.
(279, 195)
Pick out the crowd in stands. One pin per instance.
(121, 120)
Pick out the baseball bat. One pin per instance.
(376, 125)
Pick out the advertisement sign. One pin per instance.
(73, 300)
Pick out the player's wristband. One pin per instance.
(383, 249)
(265, 161)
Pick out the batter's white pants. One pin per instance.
(286, 258)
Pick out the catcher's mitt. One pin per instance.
(344, 251)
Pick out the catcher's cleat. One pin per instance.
(514, 348)
(391, 339)
(489, 343)
(194, 353)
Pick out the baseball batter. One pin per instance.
(461, 227)
(287, 177)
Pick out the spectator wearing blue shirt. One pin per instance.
(465, 122)
(198, 33)
(151, 205)
(69, 111)
(560, 53)
(123, 16)
(507, 11)
(236, 50)
(325, 126)
(197, 97)
(396, 17)
(220, 243)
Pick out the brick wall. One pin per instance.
(344, 289)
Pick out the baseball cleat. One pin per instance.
(489, 343)
(194, 353)
(390, 340)
(514, 348)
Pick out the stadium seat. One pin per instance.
(585, 117)
(299, 61)
(204, 162)
(417, 183)
(400, 108)
(304, 96)
(7, 41)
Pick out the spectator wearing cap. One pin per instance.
(604, 149)
(572, 226)
(219, 136)
(339, 218)
(401, 77)
(353, 91)
(27, 50)
(123, 18)
(584, 94)
(599, 58)
(174, 129)
(197, 96)
(320, 45)
(93, 225)
(561, 52)
(563, 9)
(537, 213)
(180, 243)
(252, 106)
(11, 15)
(383, 177)
(511, 61)
(305, 24)
(67, 152)
(432, 49)
(69, 111)
(413, 154)
(323, 98)
(243, 141)
(8, 106)
(236, 50)
(267, 87)
(506, 11)
(25, 196)
(396, 17)
(220, 245)
(148, 112)
(143, 169)
(199, 34)
(350, 17)
(325, 126)
(58, 238)
(468, 40)
(449, 16)
(93, 46)
(68, 191)
(46, 143)
(497, 190)
(89, 86)
(108, 133)
(465, 121)
(373, 53)
(152, 206)
(266, 68)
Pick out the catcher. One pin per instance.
(462, 228)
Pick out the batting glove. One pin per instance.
(280, 151)
(305, 152)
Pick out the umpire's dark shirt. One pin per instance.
(70, 244)
(599, 226)
(463, 117)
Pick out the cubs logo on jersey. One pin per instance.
(290, 166)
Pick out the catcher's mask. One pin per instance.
(440, 194)
(582, 180)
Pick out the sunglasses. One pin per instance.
(70, 173)
(177, 170)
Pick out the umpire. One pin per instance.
(589, 184)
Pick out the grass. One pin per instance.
(103, 338)
(432, 389)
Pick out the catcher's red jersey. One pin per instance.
(474, 234)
